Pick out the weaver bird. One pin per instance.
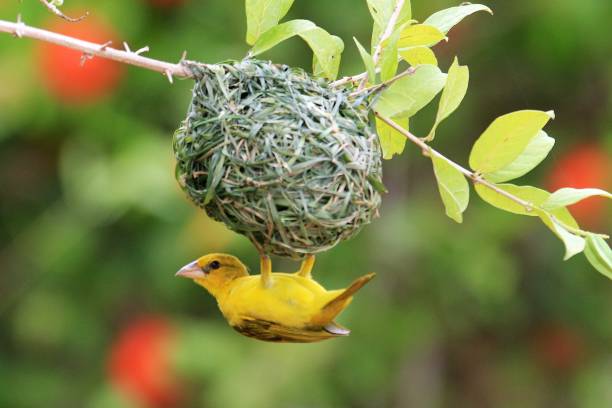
(273, 306)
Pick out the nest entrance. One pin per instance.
(278, 156)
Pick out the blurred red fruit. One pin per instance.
(584, 166)
(140, 363)
(166, 3)
(61, 69)
(558, 348)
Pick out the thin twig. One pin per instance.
(349, 79)
(379, 87)
(474, 176)
(399, 5)
(53, 8)
(90, 49)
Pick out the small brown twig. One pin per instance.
(90, 50)
(53, 8)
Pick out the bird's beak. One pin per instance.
(192, 271)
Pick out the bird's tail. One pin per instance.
(337, 304)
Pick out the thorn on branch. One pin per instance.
(183, 57)
(20, 25)
(169, 76)
(137, 52)
(85, 57)
(104, 46)
(141, 50)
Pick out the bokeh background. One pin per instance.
(93, 227)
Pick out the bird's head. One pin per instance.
(214, 271)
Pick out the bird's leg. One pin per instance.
(306, 268)
(266, 270)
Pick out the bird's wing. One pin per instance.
(275, 332)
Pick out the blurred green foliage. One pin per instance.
(93, 226)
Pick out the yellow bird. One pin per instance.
(273, 306)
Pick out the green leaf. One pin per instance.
(506, 138)
(327, 48)
(368, 61)
(376, 33)
(534, 153)
(419, 35)
(559, 220)
(411, 93)
(569, 196)
(419, 56)
(599, 254)
(391, 141)
(389, 59)
(454, 188)
(381, 11)
(377, 184)
(530, 194)
(446, 19)
(453, 93)
(574, 244)
(280, 33)
(263, 15)
(565, 217)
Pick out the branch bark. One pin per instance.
(89, 49)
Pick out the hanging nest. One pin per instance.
(278, 156)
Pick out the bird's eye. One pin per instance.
(215, 265)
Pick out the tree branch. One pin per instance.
(475, 177)
(89, 49)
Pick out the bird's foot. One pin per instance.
(266, 270)
(306, 268)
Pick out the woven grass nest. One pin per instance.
(278, 156)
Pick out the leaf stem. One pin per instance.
(89, 49)
(474, 176)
